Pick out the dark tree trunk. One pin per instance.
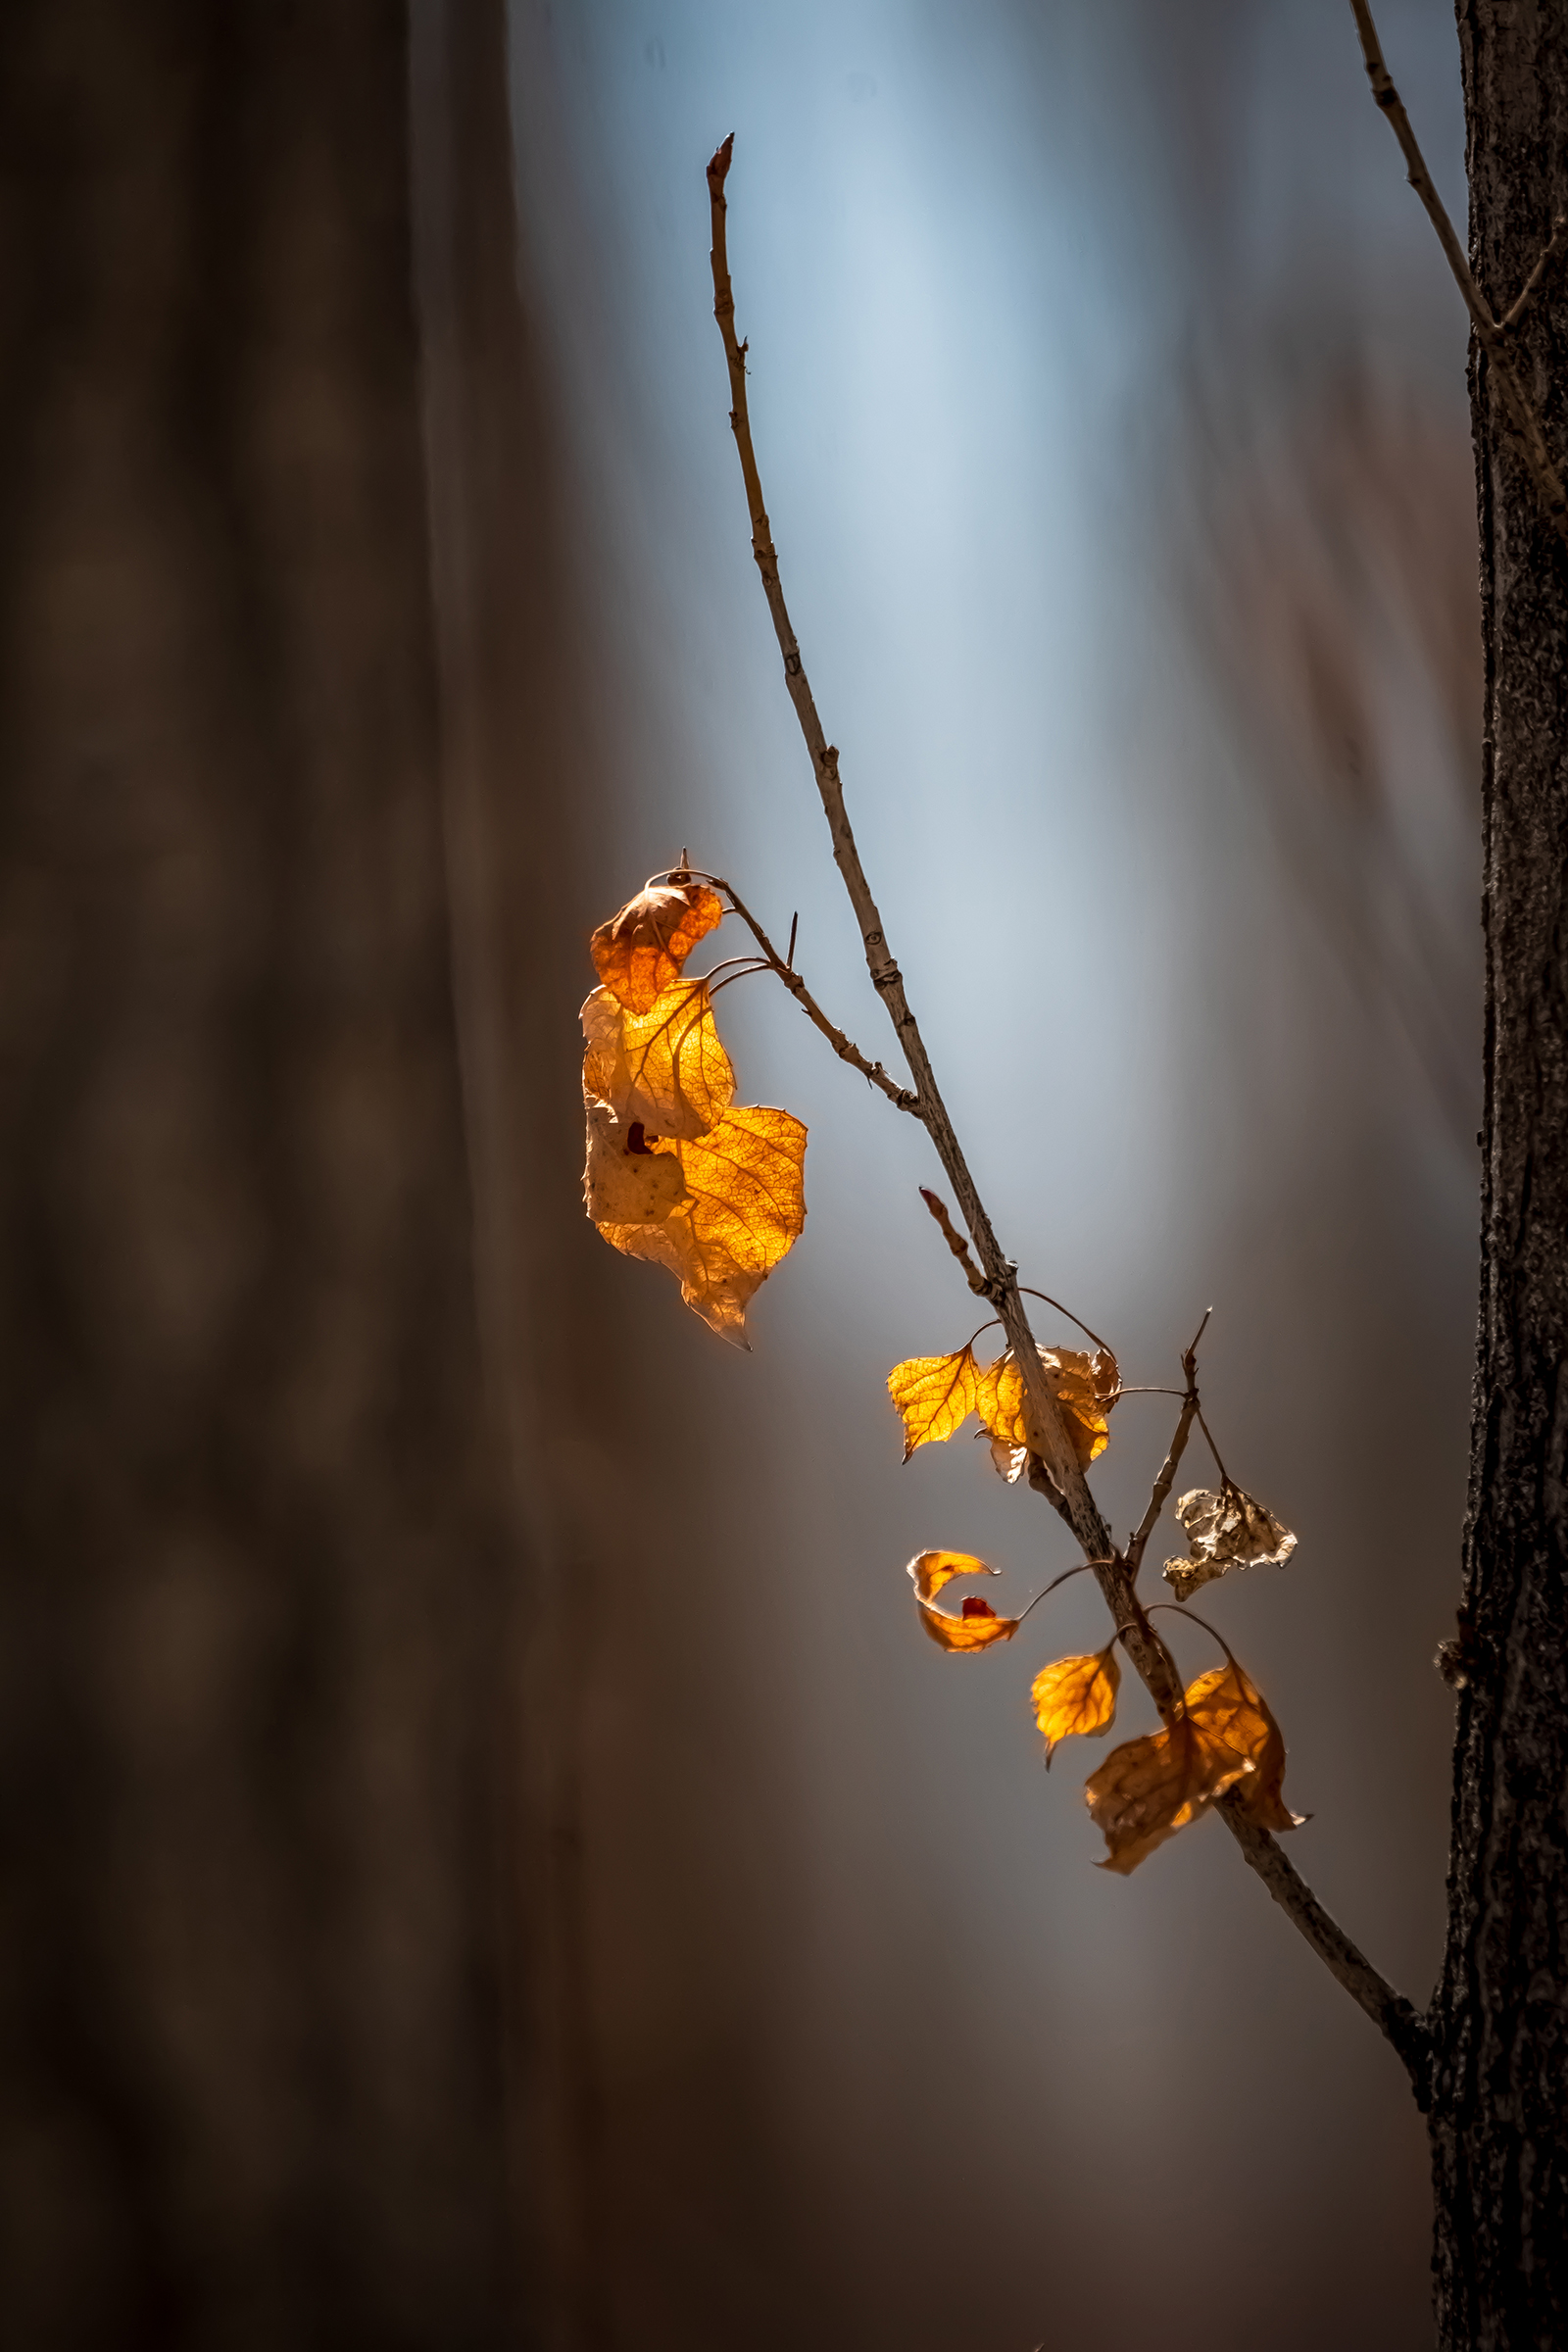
(1500, 2110)
(250, 1589)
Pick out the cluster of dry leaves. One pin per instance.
(679, 1172)
(1224, 1736)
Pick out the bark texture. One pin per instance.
(1501, 2018)
(251, 1584)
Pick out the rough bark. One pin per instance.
(249, 1664)
(1501, 2017)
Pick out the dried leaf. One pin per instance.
(742, 1206)
(979, 1625)
(1076, 1697)
(1008, 1461)
(935, 1396)
(1149, 1789)
(639, 953)
(1227, 1530)
(664, 1071)
(1227, 1703)
(1084, 1386)
(626, 1181)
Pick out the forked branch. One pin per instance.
(1491, 334)
(1055, 1466)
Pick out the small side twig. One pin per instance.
(771, 960)
(1491, 334)
(1178, 1446)
(955, 1241)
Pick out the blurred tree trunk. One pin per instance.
(251, 1665)
(1501, 2115)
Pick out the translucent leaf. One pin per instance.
(1084, 1386)
(664, 1071)
(1227, 1703)
(741, 1207)
(979, 1626)
(1076, 1697)
(1224, 1531)
(639, 953)
(935, 1395)
(1149, 1789)
(1008, 1461)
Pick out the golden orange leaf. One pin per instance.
(935, 1395)
(1076, 1697)
(639, 953)
(741, 1207)
(1227, 1530)
(664, 1071)
(1149, 1789)
(979, 1626)
(1227, 1703)
(1084, 1386)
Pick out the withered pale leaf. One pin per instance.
(1008, 1461)
(935, 1395)
(1084, 1386)
(1149, 1789)
(1225, 1530)
(1076, 1697)
(979, 1626)
(742, 1209)
(664, 1071)
(639, 953)
(624, 1185)
(1227, 1703)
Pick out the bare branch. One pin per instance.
(1053, 1469)
(1162, 1484)
(1491, 333)
(1389, 2010)
(898, 1096)
(1001, 1273)
(956, 1243)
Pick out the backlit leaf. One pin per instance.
(741, 1207)
(626, 1181)
(1227, 1703)
(1086, 1387)
(1227, 1530)
(979, 1626)
(935, 1395)
(1149, 1789)
(664, 1071)
(1076, 1697)
(1008, 1461)
(639, 953)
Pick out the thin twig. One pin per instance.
(1555, 244)
(898, 1096)
(1490, 332)
(955, 1241)
(1054, 1460)
(1103, 1345)
(1167, 1477)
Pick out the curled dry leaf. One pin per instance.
(1228, 1703)
(979, 1626)
(1227, 1530)
(664, 1069)
(1086, 1387)
(935, 1395)
(1149, 1789)
(639, 953)
(740, 1207)
(1076, 1697)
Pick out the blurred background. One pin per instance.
(489, 1855)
